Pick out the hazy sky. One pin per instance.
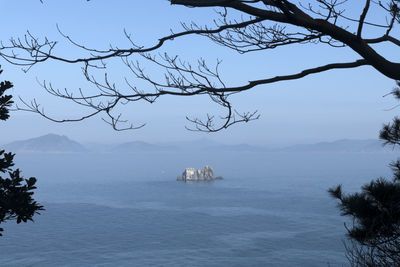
(332, 105)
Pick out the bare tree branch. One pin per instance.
(263, 25)
(362, 19)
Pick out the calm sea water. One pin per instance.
(128, 210)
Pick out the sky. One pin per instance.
(334, 105)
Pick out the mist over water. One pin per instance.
(109, 206)
(106, 209)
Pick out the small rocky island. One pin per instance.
(206, 174)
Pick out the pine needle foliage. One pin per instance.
(374, 235)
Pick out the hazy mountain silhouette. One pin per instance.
(50, 143)
(202, 143)
(53, 143)
(139, 146)
(206, 145)
(344, 145)
(339, 146)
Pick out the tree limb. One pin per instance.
(291, 24)
(362, 18)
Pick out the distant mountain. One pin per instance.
(99, 147)
(240, 148)
(206, 145)
(209, 146)
(53, 143)
(139, 146)
(202, 143)
(196, 146)
(50, 143)
(344, 145)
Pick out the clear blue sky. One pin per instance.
(328, 106)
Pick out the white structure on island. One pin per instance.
(206, 174)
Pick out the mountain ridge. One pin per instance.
(53, 143)
(49, 143)
(342, 145)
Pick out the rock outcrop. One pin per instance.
(206, 174)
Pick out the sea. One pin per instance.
(104, 209)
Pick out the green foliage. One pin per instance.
(375, 209)
(390, 132)
(16, 202)
(5, 100)
(374, 235)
